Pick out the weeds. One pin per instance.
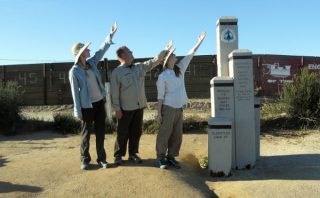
(66, 123)
(10, 98)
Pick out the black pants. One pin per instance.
(97, 116)
(129, 128)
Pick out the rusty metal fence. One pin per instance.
(48, 84)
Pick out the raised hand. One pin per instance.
(201, 37)
(169, 45)
(114, 28)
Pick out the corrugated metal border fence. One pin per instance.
(48, 84)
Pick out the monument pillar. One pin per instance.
(241, 69)
(222, 103)
(226, 41)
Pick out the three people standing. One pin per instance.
(129, 99)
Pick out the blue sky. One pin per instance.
(44, 30)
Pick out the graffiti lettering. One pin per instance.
(33, 78)
(27, 78)
(23, 77)
(62, 76)
(314, 66)
(277, 71)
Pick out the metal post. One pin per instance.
(106, 68)
(4, 80)
(44, 75)
(108, 106)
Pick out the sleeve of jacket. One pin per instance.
(185, 61)
(150, 64)
(115, 91)
(102, 50)
(75, 94)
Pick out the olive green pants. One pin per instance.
(169, 138)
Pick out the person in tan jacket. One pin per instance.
(129, 99)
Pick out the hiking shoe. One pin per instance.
(103, 164)
(84, 166)
(118, 160)
(135, 158)
(171, 161)
(162, 164)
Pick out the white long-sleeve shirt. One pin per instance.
(171, 89)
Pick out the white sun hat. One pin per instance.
(167, 56)
(77, 50)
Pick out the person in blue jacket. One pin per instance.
(88, 95)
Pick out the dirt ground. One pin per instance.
(46, 164)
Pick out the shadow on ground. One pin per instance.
(3, 161)
(189, 173)
(282, 167)
(24, 136)
(6, 187)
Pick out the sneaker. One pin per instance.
(103, 164)
(171, 161)
(135, 158)
(118, 160)
(162, 164)
(84, 166)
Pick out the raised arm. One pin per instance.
(105, 45)
(199, 41)
(183, 64)
(169, 45)
(150, 64)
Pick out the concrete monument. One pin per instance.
(241, 70)
(232, 101)
(226, 41)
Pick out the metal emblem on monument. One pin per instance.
(228, 36)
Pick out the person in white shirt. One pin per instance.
(171, 98)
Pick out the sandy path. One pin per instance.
(47, 165)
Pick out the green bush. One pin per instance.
(271, 110)
(195, 123)
(302, 98)
(10, 99)
(204, 162)
(66, 123)
(150, 127)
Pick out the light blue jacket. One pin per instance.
(78, 81)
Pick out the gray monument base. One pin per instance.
(219, 146)
(222, 104)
